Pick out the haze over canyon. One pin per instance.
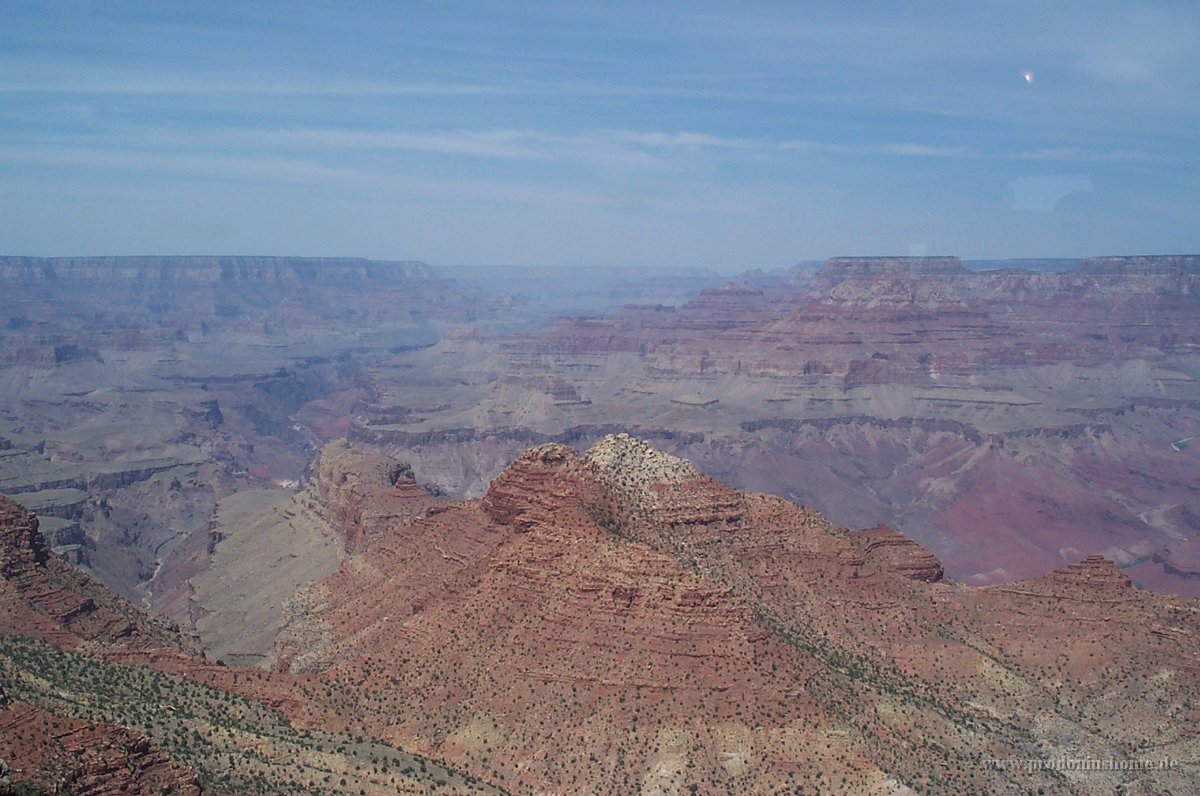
(859, 526)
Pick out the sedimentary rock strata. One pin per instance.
(1010, 420)
(686, 633)
(97, 697)
(79, 757)
(47, 598)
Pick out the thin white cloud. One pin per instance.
(904, 150)
(505, 144)
(137, 84)
(342, 151)
(502, 143)
(256, 167)
(279, 169)
(1084, 155)
(196, 85)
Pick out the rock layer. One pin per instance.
(46, 598)
(888, 549)
(96, 695)
(77, 757)
(1010, 420)
(684, 633)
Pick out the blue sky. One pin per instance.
(721, 135)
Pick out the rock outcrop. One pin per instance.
(685, 634)
(22, 549)
(1094, 575)
(63, 755)
(886, 548)
(974, 410)
(46, 598)
(361, 494)
(98, 698)
(529, 493)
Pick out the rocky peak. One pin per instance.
(21, 545)
(662, 489)
(339, 464)
(1094, 573)
(361, 493)
(887, 549)
(631, 468)
(534, 486)
(551, 454)
(1095, 579)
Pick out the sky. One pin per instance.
(726, 136)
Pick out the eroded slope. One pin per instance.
(621, 623)
(1011, 421)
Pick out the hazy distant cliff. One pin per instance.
(205, 270)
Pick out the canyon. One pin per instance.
(859, 526)
(136, 393)
(97, 696)
(1010, 420)
(611, 622)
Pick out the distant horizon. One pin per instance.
(717, 135)
(721, 269)
(966, 261)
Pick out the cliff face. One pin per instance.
(683, 632)
(975, 411)
(22, 550)
(86, 758)
(361, 494)
(1176, 265)
(914, 311)
(156, 273)
(60, 311)
(43, 597)
(97, 698)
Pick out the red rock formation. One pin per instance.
(363, 493)
(682, 632)
(886, 548)
(533, 490)
(65, 755)
(558, 634)
(45, 598)
(1092, 578)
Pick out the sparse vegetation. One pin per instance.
(234, 744)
